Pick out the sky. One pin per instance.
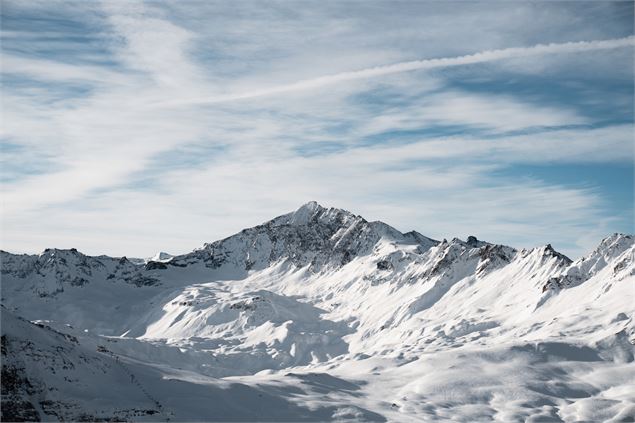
(130, 128)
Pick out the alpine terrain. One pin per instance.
(320, 315)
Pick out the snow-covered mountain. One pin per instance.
(321, 315)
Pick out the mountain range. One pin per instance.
(321, 315)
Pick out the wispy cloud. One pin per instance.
(185, 115)
(470, 59)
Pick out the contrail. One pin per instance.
(481, 57)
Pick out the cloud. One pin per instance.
(581, 145)
(190, 206)
(495, 113)
(181, 128)
(481, 57)
(51, 70)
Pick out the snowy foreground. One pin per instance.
(319, 315)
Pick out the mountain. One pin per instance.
(321, 315)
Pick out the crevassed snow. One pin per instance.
(320, 315)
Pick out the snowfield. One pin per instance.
(319, 315)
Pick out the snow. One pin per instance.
(320, 315)
(160, 257)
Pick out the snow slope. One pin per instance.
(332, 317)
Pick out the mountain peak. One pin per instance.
(548, 250)
(59, 251)
(311, 235)
(312, 212)
(161, 256)
(614, 244)
(609, 249)
(305, 213)
(310, 205)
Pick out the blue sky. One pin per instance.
(133, 127)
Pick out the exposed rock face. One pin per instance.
(17, 390)
(384, 265)
(312, 235)
(155, 265)
(582, 269)
(55, 270)
(494, 257)
(39, 362)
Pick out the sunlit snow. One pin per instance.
(320, 315)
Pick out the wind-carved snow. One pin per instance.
(321, 315)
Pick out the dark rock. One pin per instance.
(18, 410)
(384, 265)
(155, 265)
(78, 281)
(493, 256)
(140, 280)
(549, 251)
